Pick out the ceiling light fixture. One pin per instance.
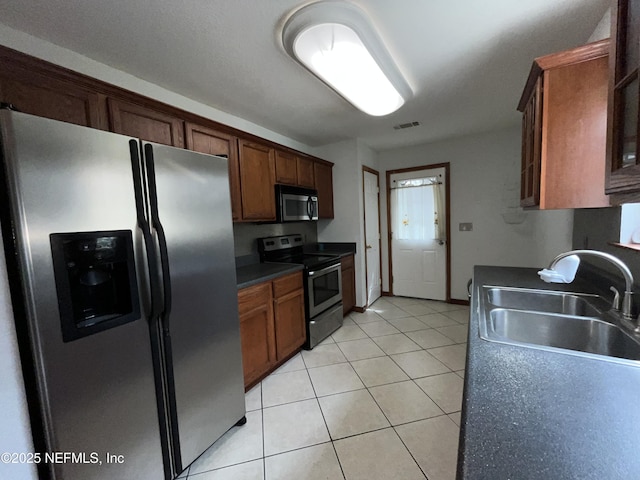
(337, 43)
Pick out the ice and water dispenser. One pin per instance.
(95, 280)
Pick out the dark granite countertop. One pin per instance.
(253, 274)
(535, 414)
(340, 249)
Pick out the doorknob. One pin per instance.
(369, 246)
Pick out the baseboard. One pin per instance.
(359, 309)
(457, 301)
(386, 294)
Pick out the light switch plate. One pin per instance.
(465, 227)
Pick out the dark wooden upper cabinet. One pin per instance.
(306, 178)
(257, 179)
(52, 98)
(324, 186)
(206, 140)
(531, 144)
(47, 90)
(623, 127)
(564, 106)
(145, 123)
(286, 168)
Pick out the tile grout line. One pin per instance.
(326, 425)
(264, 462)
(409, 452)
(367, 388)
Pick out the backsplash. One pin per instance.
(245, 234)
(597, 228)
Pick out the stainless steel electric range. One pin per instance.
(322, 283)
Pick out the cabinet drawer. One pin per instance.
(286, 284)
(346, 262)
(254, 297)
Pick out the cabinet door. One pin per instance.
(348, 284)
(574, 136)
(324, 186)
(257, 181)
(306, 178)
(141, 122)
(206, 140)
(255, 306)
(50, 98)
(623, 164)
(531, 139)
(286, 168)
(289, 323)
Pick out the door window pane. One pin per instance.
(416, 213)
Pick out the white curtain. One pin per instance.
(417, 203)
(440, 217)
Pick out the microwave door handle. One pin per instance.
(309, 208)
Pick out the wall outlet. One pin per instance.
(465, 227)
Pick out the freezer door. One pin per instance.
(194, 210)
(97, 391)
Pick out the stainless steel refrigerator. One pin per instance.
(124, 293)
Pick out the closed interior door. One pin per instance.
(372, 234)
(418, 243)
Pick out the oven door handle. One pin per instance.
(324, 270)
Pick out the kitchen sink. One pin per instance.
(558, 331)
(546, 301)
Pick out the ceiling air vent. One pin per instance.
(405, 125)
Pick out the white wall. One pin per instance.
(485, 184)
(348, 202)
(603, 29)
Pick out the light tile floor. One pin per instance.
(379, 399)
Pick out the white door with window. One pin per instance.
(372, 234)
(418, 243)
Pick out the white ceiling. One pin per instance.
(466, 60)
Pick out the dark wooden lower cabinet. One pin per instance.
(272, 324)
(255, 308)
(290, 329)
(348, 284)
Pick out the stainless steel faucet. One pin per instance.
(627, 301)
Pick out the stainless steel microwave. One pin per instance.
(295, 204)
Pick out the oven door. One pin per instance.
(324, 288)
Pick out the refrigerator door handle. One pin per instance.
(162, 240)
(143, 224)
(165, 312)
